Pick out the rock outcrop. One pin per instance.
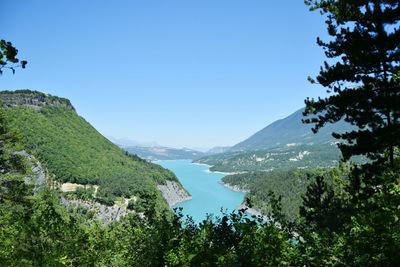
(173, 193)
(33, 99)
(106, 214)
(253, 212)
(38, 175)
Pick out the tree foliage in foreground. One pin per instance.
(8, 57)
(357, 223)
(361, 76)
(36, 230)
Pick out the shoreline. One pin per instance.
(201, 164)
(223, 173)
(253, 212)
(249, 211)
(209, 167)
(234, 188)
(219, 172)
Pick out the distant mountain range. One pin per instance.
(283, 144)
(164, 153)
(168, 153)
(130, 142)
(218, 149)
(154, 151)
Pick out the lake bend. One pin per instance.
(208, 195)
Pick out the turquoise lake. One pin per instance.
(208, 196)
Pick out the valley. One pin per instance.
(200, 133)
(283, 158)
(87, 166)
(208, 196)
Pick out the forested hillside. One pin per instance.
(73, 151)
(290, 185)
(282, 158)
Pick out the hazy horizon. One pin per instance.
(127, 141)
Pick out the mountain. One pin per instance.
(153, 151)
(163, 153)
(73, 151)
(283, 144)
(218, 150)
(168, 153)
(124, 142)
(289, 131)
(283, 158)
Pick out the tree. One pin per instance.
(357, 224)
(9, 160)
(8, 57)
(361, 77)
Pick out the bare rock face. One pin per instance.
(103, 213)
(173, 193)
(38, 176)
(33, 99)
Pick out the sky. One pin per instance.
(181, 73)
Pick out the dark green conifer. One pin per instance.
(361, 76)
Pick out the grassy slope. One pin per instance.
(75, 152)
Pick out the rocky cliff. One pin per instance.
(173, 193)
(33, 99)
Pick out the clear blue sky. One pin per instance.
(181, 73)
